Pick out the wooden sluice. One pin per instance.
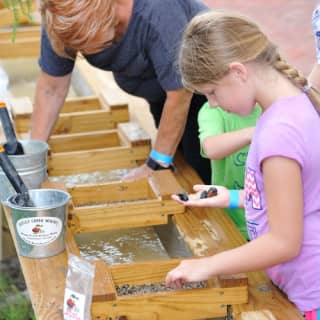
(205, 231)
(147, 202)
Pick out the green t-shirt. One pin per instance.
(228, 172)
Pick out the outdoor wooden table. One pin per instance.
(45, 278)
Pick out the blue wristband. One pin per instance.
(160, 157)
(234, 199)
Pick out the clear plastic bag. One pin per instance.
(78, 292)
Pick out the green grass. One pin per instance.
(13, 304)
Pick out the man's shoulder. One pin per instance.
(168, 8)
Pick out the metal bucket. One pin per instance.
(31, 166)
(40, 230)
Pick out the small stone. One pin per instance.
(203, 194)
(212, 192)
(183, 196)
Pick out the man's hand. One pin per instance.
(138, 173)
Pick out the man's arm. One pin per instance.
(173, 121)
(171, 128)
(49, 99)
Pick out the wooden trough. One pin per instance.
(145, 202)
(121, 205)
(88, 136)
(81, 114)
(205, 231)
(201, 303)
(26, 43)
(125, 147)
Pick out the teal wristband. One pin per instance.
(234, 199)
(160, 157)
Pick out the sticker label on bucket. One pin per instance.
(39, 231)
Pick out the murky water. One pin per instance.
(133, 245)
(122, 246)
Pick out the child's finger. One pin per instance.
(177, 198)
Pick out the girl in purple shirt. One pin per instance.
(231, 61)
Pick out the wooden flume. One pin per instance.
(206, 231)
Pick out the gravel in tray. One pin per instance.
(127, 289)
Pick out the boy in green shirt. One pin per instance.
(225, 139)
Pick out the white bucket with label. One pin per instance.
(40, 230)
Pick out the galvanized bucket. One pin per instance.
(40, 230)
(31, 166)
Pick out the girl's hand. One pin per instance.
(221, 200)
(193, 270)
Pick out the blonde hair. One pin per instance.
(214, 39)
(78, 25)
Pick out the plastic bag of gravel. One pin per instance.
(78, 292)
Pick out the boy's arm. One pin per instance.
(219, 146)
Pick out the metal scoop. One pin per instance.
(13, 146)
(22, 198)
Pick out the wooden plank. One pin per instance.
(120, 113)
(234, 280)
(103, 287)
(84, 121)
(79, 104)
(179, 304)
(74, 122)
(84, 141)
(29, 47)
(117, 222)
(124, 215)
(134, 134)
(165, 184)
(21, 32)
(76, 162)
(111, 192)
(22, 106)
(71, 244)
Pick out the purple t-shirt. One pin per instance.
(289, 128)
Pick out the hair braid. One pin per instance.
(298, 79)
(289, 72)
